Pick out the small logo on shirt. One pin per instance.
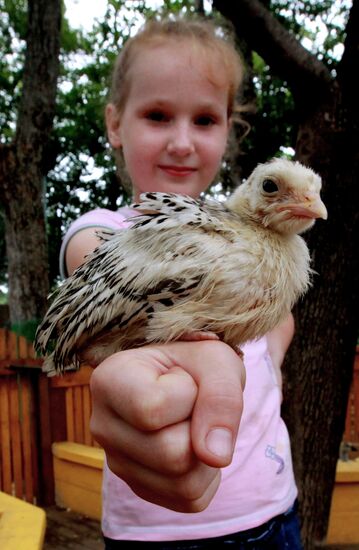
(270, 453)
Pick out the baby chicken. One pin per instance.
(189, 269)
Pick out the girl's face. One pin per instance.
(174, 126)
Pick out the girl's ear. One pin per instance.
(113, 125)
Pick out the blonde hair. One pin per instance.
(216, 45)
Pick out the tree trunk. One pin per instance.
(319, 364)
(25, 236)
(21, 167)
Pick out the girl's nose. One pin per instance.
(180, 141)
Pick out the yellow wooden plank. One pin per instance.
(78, 499)
(75, 452)
(344, 514)
(348, 472)
(78, 475)
(22, 525)
(78, 485)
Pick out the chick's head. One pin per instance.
(282, 195)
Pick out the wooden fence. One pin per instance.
(36, 411)
(19, 441)
(77, 404)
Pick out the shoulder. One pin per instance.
(101, 217)
(81, 238)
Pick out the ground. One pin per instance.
(69, 531)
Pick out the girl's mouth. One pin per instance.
(177, 171)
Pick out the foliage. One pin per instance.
(79, 164)
(318, 25)
(320, 29)
(12, 44)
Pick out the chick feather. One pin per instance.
(185, 266)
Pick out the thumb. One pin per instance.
(220, 376)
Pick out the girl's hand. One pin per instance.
(167, 417)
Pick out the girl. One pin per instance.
(167, 416)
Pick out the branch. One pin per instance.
(304, 73)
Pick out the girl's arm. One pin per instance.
(81, 244)
(279, 340)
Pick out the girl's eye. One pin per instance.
(157, 116)
(205, 120)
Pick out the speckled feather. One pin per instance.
(183, 265)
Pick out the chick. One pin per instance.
(187, 269)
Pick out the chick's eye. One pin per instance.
(269, 186)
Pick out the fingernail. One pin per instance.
(219, 442)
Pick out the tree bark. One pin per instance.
(21, 166)
(319, 364)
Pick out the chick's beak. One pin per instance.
(311, 206)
